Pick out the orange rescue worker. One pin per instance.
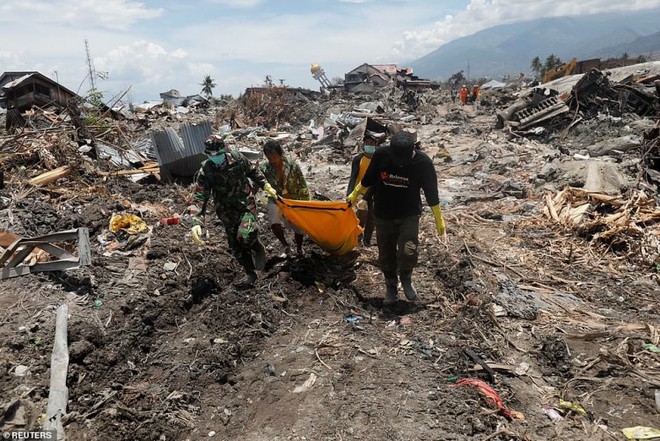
(463, 94)
(475, 93)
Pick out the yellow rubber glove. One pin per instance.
(355, 193)
(439, 220)
(196, 232)
(270, 191)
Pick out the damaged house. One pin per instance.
(20, 91)
(370, 77)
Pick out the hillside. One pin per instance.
(508, 49)
(641, 45)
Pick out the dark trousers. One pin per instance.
(241, 247)
(366, 218)
(397, 245)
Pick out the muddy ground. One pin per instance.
(164, 347)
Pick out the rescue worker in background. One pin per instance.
(286, 177)
(475, 93)
(231, 179)
(365, 206)
(453, 95)
(396, 175)
(463, 94)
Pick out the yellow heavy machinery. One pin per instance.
(559, 71)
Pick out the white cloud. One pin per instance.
(111, 14)
(238, 3)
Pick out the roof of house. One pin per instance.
(20, 78)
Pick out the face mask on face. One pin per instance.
(217, 159)
(369, 149)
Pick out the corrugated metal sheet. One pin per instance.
(181, 157)
(194, 136)
(167, 145)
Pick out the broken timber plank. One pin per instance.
(58, 396)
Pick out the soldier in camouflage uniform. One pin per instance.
(286, 177)
(231, 179)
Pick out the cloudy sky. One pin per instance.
(151, 46)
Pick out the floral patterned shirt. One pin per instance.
(292, 184)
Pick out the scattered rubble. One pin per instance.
(548, 282)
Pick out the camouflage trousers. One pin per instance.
(242, 235)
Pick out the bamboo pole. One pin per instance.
(58, 396)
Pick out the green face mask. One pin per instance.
(369, 149)
(217, 159)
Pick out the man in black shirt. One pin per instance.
(395, 175)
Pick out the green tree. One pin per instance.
(94, 97)
(207, 85)
(625, 56)
(641, 59)
(551, 61)
(536, 65)
(458, 77)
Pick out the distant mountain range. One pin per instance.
(508, 49)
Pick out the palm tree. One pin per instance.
(536, 65)
(207, 85)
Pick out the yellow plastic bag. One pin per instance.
(129, 223)
(332, 225)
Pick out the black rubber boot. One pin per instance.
(391, 295)
(250, 278)
(248, 281)
(406, 283)
(259, 255)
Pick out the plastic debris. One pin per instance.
(353, 318)
(129, 223)
(492, 398)
(651, 347)
(572, 406)
(641, 432)
(175, 220)
(552, 413)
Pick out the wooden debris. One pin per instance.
(631, 224)
(58, 396)
(50, 176)
(151, 167)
